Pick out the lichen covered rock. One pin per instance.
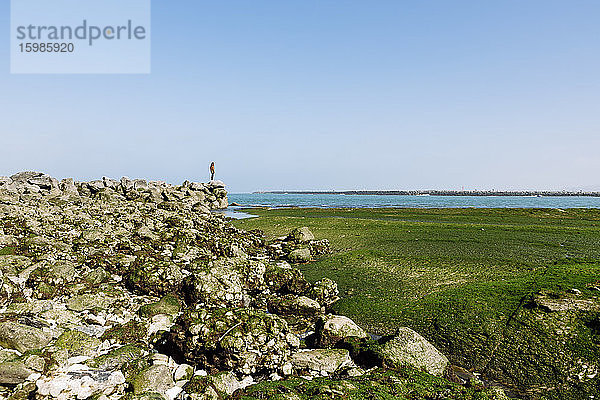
(240, 339)
(321, 361)
(408, 348)
(21, 337)
(331, 329)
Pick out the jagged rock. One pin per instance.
(321, 361)
(130, 332)
(300, 312)
(31, 307)
(22, 337)
(8, 355)
(408, 348)
(226, 382)
(215, 184)
(325, 291)
(24, 391)
(218, 285)
(283, 279)
(12, 265)
(233, 339)
(154, 277)
(217, 386)
(34, 362)
(8, 241)
(319, 247)
(330, 329)
(89, 261)
(38, 179)
(68, 187)
(95, 186)
(54, 275)
(111, 190)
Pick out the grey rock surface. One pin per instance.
(408, 348)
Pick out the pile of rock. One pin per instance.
(299, 246)
(211, 195)
(111, 289)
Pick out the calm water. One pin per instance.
(371, 201)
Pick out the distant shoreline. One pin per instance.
(439, 193)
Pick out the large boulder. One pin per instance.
(239, 339)
(321, 361)
(12, 265)
(214, 387)
(218, 285)
(300, 312)
(301, 235)
(325, 291)
(22, 337)
(331, 329)
(408, 348)
(89, 301)
(68, 187)
(78, 382)
(283, 279)
(153, 276)
(293, 305)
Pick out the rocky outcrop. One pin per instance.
(211, 195)
(135, 290)
(98, 276)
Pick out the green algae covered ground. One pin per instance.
(475, 282)
(405, 384)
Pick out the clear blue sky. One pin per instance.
(329, 95)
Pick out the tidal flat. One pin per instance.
(510, 293)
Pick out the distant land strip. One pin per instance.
(439, 193)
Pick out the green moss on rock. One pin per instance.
(77, 343)
(169, 305)
(128, 333)
(116, 358)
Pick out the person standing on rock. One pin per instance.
(212, 171)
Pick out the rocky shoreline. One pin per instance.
(526, 193)
(134, 290)
(211, 195)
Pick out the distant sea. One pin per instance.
(416, 201)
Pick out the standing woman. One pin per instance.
(212, 171)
